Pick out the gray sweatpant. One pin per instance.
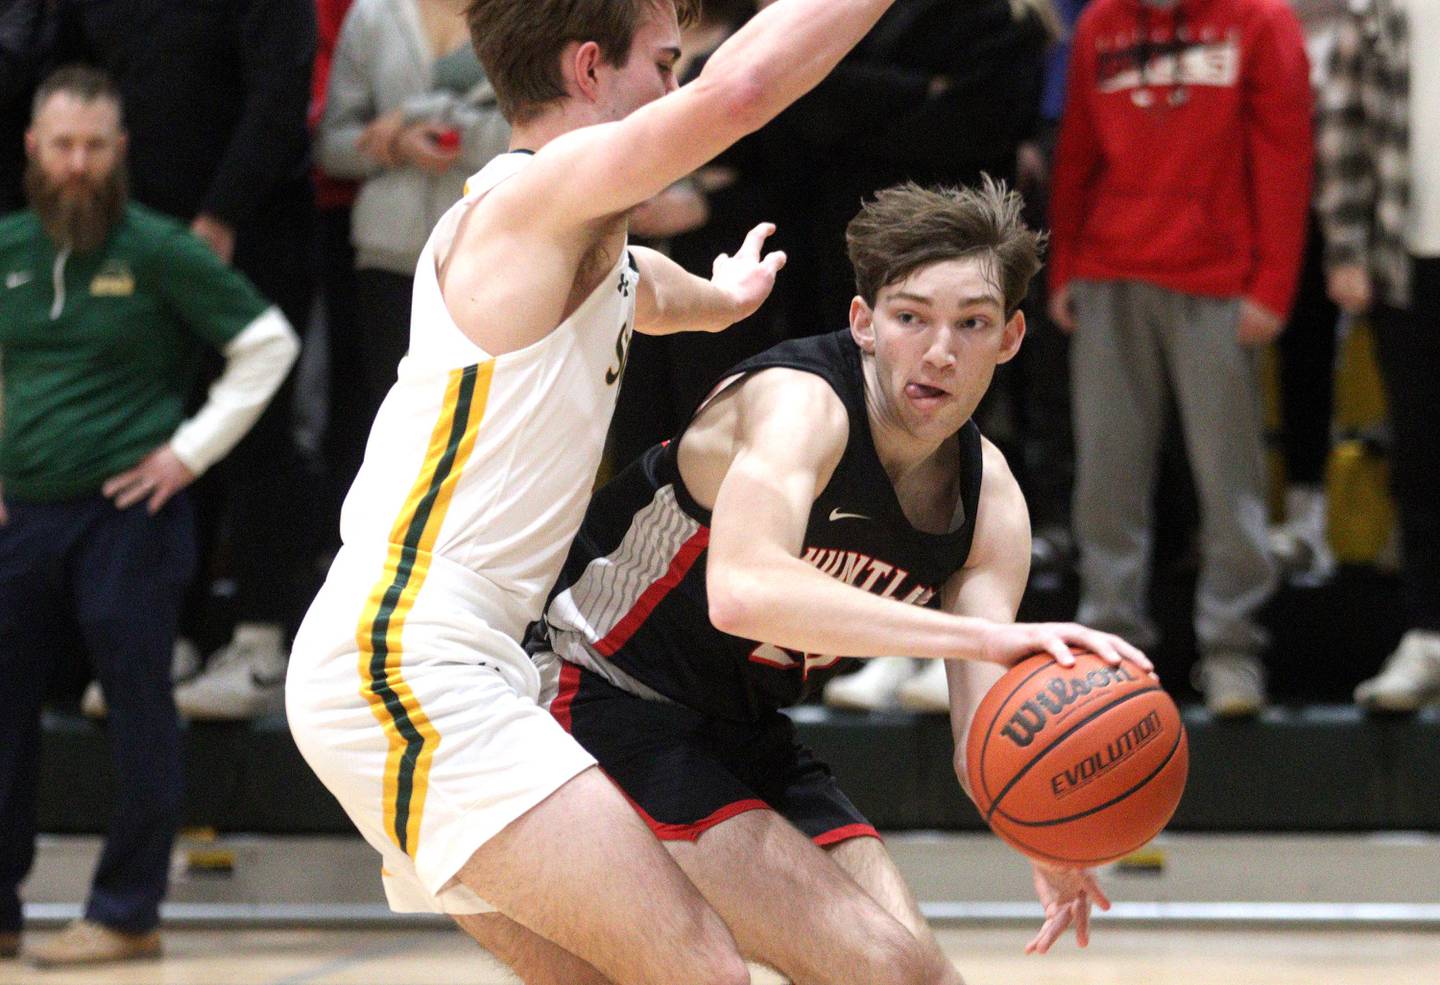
(1135, 344)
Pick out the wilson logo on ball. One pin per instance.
(1029, 719)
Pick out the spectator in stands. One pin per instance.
(1379, 204)
(939, 93)
(1181, 181)
(25, 30)
(1300, 545)
(665, 381)
(411, 116)
(346, 424)
(217, 95)
(104, 307)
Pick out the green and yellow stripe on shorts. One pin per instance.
(412, 739)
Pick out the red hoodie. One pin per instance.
(1200, 183)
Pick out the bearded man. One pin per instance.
(104, 308)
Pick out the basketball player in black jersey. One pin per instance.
(822, 486)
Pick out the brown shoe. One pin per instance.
(84, 942)
(9, 944)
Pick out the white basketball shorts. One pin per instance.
(428, 725)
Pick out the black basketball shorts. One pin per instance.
(685, 772)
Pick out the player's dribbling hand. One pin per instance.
(1067, 895)
(747, 278)
(1009, 643)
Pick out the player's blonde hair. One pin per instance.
(906, 227)
(519, 42)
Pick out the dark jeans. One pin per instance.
(255, 516)
(1307, 370)
(383, 313)
(1409, 347)
(347, 422)
(119, 575)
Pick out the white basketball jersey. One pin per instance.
(479, 468)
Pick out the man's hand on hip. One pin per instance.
(159, 476)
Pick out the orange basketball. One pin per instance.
(1080, 765)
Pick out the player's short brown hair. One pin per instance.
(519, 42)
(906, 227)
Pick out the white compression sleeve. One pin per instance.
(256, 362)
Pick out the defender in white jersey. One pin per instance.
(409, 693)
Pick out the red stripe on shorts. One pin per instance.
(691, 832)
(569, 684)
(684, 559)
(837, 835)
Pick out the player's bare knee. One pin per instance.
(894, 957)
(711, 954)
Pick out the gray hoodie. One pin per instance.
(383, 62)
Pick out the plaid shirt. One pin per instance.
(1363, 147)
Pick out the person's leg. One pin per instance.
(1409, 353)
(1307, 371)
(536, 960)
(1217, 389)
(791, 906)
(31, 604)
(613, 897)
(129, 574)
(1119, 397)
(272, 526)
(867, 862)
(383, 320)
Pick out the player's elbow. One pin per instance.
(734, 604)
(741, 101)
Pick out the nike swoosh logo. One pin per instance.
(18, 279)
(836, 514)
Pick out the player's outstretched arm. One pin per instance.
(778, 56)
(790, 434)
(671, 299)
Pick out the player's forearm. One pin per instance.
(784, 601)
(679, 301)
(787, 48)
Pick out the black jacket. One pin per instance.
(215, 96)
(25, 43)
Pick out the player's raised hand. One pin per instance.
(748, 277)
(1067, 895)
(1009, 643)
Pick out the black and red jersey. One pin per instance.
(630, 603)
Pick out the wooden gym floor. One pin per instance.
(1118, 955)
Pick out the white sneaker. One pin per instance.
(245, 678)
(184, 664)
(927, 690)
(1410, 677)
(1233, 685)
(1301, 545)
(870, 688)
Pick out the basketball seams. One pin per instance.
(1174, 748)
(1041, 754)
(990, 728)
(1039, 853)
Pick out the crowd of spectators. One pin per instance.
(1168, 145)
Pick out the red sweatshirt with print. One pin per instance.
(1184, 157)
